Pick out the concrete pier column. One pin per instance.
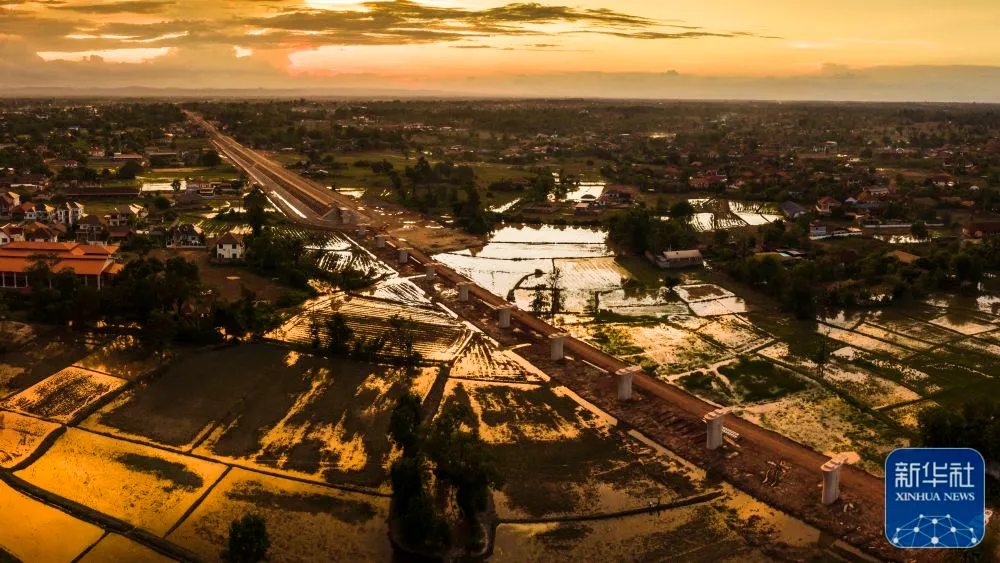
(344, 215)
(504, 315)
(463, 291)
(625, 377)
(430, 269)
(831, 481)
(404, 255)
(558, 345)
(379, 241)
(713, 424)
(363, 230)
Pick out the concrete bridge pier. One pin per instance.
(504, 313)
(713, 423)
(558, 346)
(379, 241)
(345, 215)
(625, 377)
(463, 291)
(430, 269)
(831, 481)
(404, 255)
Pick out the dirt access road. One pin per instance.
(317, 206)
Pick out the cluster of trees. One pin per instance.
(549, 298)
(427, 188)
(157, 302)
(69, 131)
(640, 229)
(444, 454)
(862, 276)
(248, 540)
(288, 257)
(975, 424)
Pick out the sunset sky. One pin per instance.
(484, 46)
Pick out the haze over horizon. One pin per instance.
(765, 49)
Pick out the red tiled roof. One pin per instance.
(83, 260)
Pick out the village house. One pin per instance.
(91, 228)
(8, 201)
(24, 212)
(826, 205)
(11, 233)
(69, 213)
(619, 194)
(94, 264)
(670, 259)
(229, 247)
(187, 235)
(126, 215)
(40, 232)
(120, 234)
(792, 210)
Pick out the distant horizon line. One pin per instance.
(124, 92)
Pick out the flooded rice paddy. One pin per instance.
(720, 214)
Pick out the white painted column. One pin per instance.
(430, 269)
(379, 241)
(625, 377)
(463, 291)
(404, 255)
(831, 481)
(713, 426)
(504, 315)
(558, 345)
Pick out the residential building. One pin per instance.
(91, 228)
(39, 232)
(792, 210)
(8, 201)
(677, 259)
(826, 205)
(188, 235)
(24, 212)
(229, 247)
(126, 215)
(69, 213)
